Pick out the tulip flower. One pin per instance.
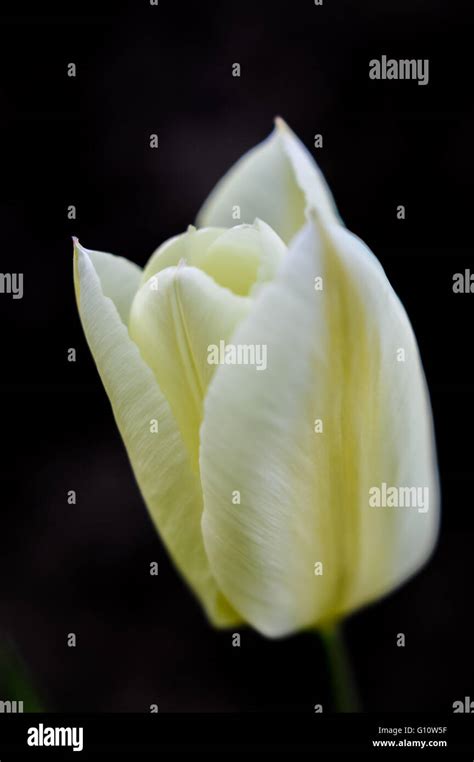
(261, 483)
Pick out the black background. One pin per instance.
(85, 141)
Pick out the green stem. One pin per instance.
(344, 690)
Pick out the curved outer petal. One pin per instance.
(174, 320)
(160, 463)
(237, 258)
(332, 355)
(275, 181)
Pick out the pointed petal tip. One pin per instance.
(280, 124)
(78, 247)
(77, 250)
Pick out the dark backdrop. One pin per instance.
(84, 141)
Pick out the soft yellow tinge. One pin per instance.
(332, 355)
(236, 258)
(160, 461)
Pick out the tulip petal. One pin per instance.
(275, 181)
(333, 356)
(119, 278)
(237, 258)
(190, 246)
(174, 321)
(159, 460)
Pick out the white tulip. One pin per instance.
(261, 484)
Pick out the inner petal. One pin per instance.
(174, 319)
(236, 258)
